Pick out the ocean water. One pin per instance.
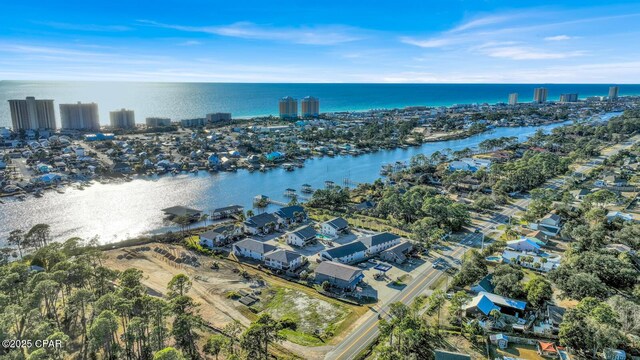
(190, 100)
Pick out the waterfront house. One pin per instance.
(550, 225)
(291, 214)
(261, 224)
(484, 285)
(334, 227)
(397, 253)
(252, 249)
(523, 244)
(379, 242)
(226, 212)
(485, 302)
(220, 235)
(347, 253)
(339, 275)
(301, 236)
(282, 259)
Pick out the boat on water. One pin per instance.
(287, 166)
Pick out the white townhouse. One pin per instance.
(301, 236)
(252, 249)
(379, 242)
(334, 227)
(282, 259)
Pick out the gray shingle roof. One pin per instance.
(338, 223)
(378, 239)
(282, 255)
(337, 270)
(260, 220)
(287, 212)
(305, 232)
(346, 249)
(255, 246)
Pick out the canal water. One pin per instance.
(114, 212)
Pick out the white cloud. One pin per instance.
(427, 43)
(526, 53)
(318, 35)
(558, 38)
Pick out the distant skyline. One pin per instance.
(333, 42)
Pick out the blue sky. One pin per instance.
(329, 41)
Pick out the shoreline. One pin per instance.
(289, 165)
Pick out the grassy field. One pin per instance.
(309, 313)
(358, 221)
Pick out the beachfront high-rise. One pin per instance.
(219, 116)
(310, 107)
(513, 98)
(154, 122)
(540, 95)
(32, 114)
(613, 92)
(79, 116)
(122, 119)
(568, 97)
(288, 107)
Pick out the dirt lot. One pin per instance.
(276, 296)
(209, 286)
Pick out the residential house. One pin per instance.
(620, 248)
(613, 215)
(538, 261)
(580, 194)
(347, 253)
(226, 212)
(550, 225)
(379, 242)
(291, 214)
(538, 237)
(450, 355)
(365, 205)
(614, 354)
(524, 244)
(553, 317)
(484, 285)
(220, 235)
(301, 236)
(500, 340)
(397, 253)
(614, 181)
(261, 224)
(334, 227)
(485, 302)
(547, 349)
(282, 259)
(339, 275)
(252, 249)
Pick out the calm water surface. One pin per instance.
(119, 211)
